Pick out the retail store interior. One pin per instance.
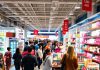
(61, 23)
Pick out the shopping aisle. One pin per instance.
(13, 68)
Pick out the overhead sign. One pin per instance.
(36, 32)
(65, 27)
(87, 5)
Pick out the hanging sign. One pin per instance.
(87, 5)
(65, 27)
(36, 32)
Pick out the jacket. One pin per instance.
(48, 63)
(29, 62)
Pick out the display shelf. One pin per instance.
(92, 37)
(97, 61)
(93, 29)
(92, 52)
(98, 20)
(73, 43)
(93, 44)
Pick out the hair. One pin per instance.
(47, 51)
(29, 49)
(48, 41)
(40, 46)
(26, 43)
(70, 52)
(8, 48)
(17, 50)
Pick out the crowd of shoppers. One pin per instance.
(37, 52)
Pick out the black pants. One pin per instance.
(39, 62)
(17, 66)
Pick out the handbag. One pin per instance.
(63, 65)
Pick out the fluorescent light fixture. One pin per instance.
(77, 7)
(71, 13)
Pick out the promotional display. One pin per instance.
(2, 42)
(36, 32)
(65, 27)
(87, 5)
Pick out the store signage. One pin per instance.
(41, 36)
(87, 5)
(19, 33)
(2, 34)
(65, 27)
(10, 34)
(36, 32)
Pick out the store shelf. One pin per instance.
(93, 29)
(92, 37)
(73, 43)
(97, 61)
(98, 20)
(92, 52)
(93, 45)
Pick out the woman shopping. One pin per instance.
(17, 59)
(69, 60)
(39, 56)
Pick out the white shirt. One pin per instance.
(40, 53)
(48, 63)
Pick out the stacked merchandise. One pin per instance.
(91, 47)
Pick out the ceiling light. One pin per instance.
(71, 13)
(77, 7)
(22, 19)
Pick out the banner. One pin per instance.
(36, 32)
(87, 5)
(65, 27)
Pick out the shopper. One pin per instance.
(48, 46)
(39, 56)
(7, 57)
(69, 60)
(36, 45)
(25, 52)
(29, 61)
(1, 61)
(47, 64)
(17, 59)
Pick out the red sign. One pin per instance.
(36, 32)
(87, 5)
(65, 27)
(10, 34)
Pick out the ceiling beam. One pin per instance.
(34, 2)
(37, 16)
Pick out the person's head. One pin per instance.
(40, 47)
(25, 49)
(29, 49)
(48, 52)
(49, 42)
(70, 52)
(8, 48)
(26, 43)
(17, 50)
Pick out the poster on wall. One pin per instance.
(2, 42)
(20, 33)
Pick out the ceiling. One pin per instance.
(40, 14)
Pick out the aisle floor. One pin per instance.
(36, 68)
